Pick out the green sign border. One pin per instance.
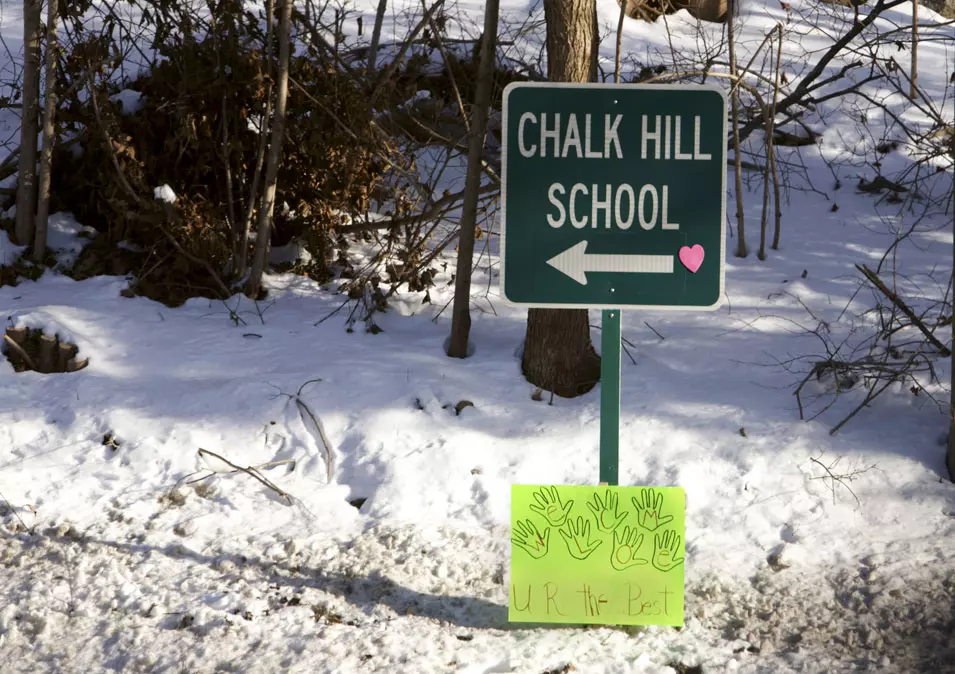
(600, 85)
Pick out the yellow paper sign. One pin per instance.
(597, 555)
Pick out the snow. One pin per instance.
(67, 237)
(164, 193)
(130, 101)
(9, 251)
(124, 547)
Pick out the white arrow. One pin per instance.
(576, 263)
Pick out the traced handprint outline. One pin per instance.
(605, 512)
(665, 547)
(577, 538)
(649, 505)
(529, 538)
(549, 506)
(626, 542)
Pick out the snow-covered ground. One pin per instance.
(123, 547)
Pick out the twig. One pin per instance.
(393, 66)
(331, 313)
(310, 381)
(438, 209)
(14, 511)
(841, 479)
(260, 311)
(446, 305)
(109, 142)
(870, 395)
(654, 331)
(808, 84)
(903, 307)
(270, 464)
(624, 343)
(196, 260)
(304, 408)
(248, 471)
(329, 457)
(439, 40)
(10, 162)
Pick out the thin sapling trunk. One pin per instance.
(741, 250)
(264, 224)
(461, 313)
(26, 182)
(49, 133)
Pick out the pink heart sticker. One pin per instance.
(692, 258)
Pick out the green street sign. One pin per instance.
(613, 196)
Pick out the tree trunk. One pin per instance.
(913, 84)
(243, 228)
(264, 224)
(558, 353)
(49, 134)
(376, 36)
(570, 39)
(461, 313)
(624, 4)
(741, 250)
(26, 182)
(595, 50)
(950, 454)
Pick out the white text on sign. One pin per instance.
(619, 206)
(661, 137)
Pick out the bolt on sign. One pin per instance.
(613, 196)
(597, 555)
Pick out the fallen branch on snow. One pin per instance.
(251, 471)
(904, 308)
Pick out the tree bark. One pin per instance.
(49, 134)
(771, 152)
(741, 250)
(376, 36)
(264, 223)
(558, 354)
(244, 226)
(461, 313)
(570, 43)
(950, 454)
(913, 83)
(595, 49)
(26, 182)
(624, 4)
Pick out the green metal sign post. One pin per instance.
(613, 198)
(610, 396)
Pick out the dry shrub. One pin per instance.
(176, 139)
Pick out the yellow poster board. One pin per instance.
(597, 555)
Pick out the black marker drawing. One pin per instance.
(665, 548)
(606, 513)
(649, 505)
(626, 542)
(549, 506)
(577, 538)
(529, 538)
